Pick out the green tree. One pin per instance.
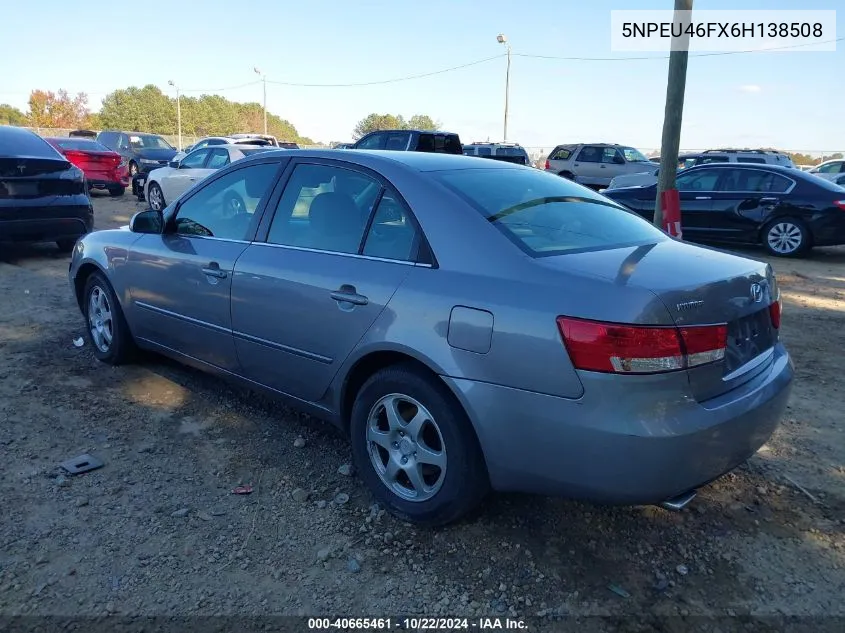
(10, 115)
(422, 122)
(374, 121)
(57, 109)
(145, 109)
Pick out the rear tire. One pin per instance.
(66, 246)
(786, 237)
(443, 435)
(106, 328)
(116, 192)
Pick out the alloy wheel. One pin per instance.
(785, 237)
(406, 447)
(156, 197)
(100, 321)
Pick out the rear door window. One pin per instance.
(590, 154)
(699, 180)
(397, 141)
(219, 158)
(425, 142)
(374, 141)
(561, 153)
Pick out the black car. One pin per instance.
(782, 208)
(43, 197)
(143, 152)
(411, 141)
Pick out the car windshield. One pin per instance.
(544, 214)
(148, 141)
(634, 155)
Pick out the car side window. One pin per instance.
(219, 158)
(755, 181)
(224, 208)
(397, 141)
(325, 208)
(590, 154)
(216, 141)
(425, 142)
(392, 234)
(609, 155)
(123, 141)
(200, 145)
(109, 139)
(704, 160)
(699, 180)
(375, 141)
(561, 153)
(194, 160)
(831, 168)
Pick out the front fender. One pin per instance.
(106, 252)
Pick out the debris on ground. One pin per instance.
(619, 591)
(242, 490)
(81, 464)
(346, 470)
(78, 342)
(299, 442)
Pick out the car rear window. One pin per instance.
(82, 144)
(547, 215)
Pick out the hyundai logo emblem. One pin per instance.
(756, 293)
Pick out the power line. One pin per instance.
(653, 57)
(388, 81)
(251, 83)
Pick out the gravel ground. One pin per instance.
(158, 532)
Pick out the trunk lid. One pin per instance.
(28, 178)
(699, 286)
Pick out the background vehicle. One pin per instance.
(43, 197)
(272, 140)
(755, 156)
(507, 152)
(411, 141)
(829, 170)
(168, 183)
(83, 134)
(649, 177)
(349, 290)
(786, 210)
(221, 140)
(343, 146)
(103, 168)
(596, 164)
(143, 152)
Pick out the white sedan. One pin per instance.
(168, 183)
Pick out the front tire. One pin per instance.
(155, 197)
(786, 237)
(415, 448)
(106, 329)
(133, 168)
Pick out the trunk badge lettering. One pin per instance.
(688, 305)
(756, 293)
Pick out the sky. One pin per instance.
(786, 99)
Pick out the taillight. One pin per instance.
(547, 163)
(774, 312)
(637, 349)
(840, 204)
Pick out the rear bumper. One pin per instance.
(46, 224)
(623, 442)
(102, 183)
(828, 229)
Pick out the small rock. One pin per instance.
(762, 490)
(81, 502)
(218, 512)
(62, 482)
(661, 585)
(346, 470)
(180, 512)
(388, 537)
(299, 442)
(205, 516)
(353, 565)
(299, 495)
(323, 554)
(321, 504)
(682, 569)
(341, 498)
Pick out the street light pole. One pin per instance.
(667, 208)
(178, 114)
(502, 39)
(264, 81)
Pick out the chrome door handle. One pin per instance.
(348, 294)
(702, 197)
(603, 166)
(769, 200)
(213, 270)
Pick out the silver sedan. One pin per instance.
(469, 324)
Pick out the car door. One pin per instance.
(613, 164)
(303, 298)
(191, 170)
(745, 200)
(374, 140)
(587, 166)
(180, 281)
(696, 188)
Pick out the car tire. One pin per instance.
(106, 328)
(133, 168)
(116, 192)
(786, 237)
(66, 246)
(155, 197)
(441, 494)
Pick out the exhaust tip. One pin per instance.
(678, 503)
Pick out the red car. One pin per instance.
(103, 168)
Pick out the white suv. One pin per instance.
(596, 164)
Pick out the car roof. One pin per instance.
(419, 161)
(414, 132)
(18, 142)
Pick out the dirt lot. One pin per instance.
(157, 530)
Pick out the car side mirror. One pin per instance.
(175, 164)
(149, 221)
(618, 160)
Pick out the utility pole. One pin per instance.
(502, 39)
(667, 206)
(264, 81)
(178, 114)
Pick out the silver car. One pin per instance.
(469, 324)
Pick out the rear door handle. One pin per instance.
(348, 294)
(702, 197)
(213, 270)
(603, 166)
(769, 200)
